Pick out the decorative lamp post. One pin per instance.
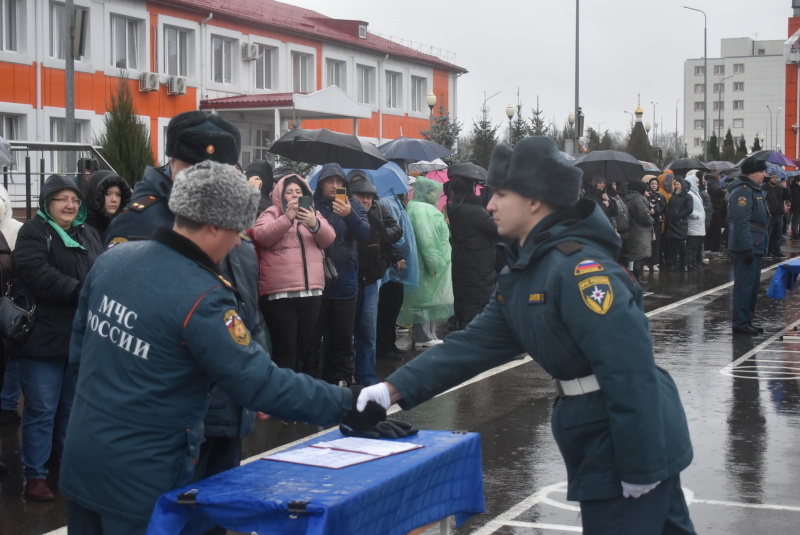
(510, 114)
(571, 120)
(655, 124)
(647, 128)
(430, 100)
(769, 132)
(719, 106)
(631, 114)
(686, 148)
(761, 139)
(705, 74)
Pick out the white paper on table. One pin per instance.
(323, 457)
(381, 448)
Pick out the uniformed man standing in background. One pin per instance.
(564, 300)
(747, 241)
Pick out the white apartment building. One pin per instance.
(746, 89)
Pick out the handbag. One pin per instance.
(16, 322)
(331, 274)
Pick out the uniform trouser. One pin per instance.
(364, 334)
(333, 337)
(87, 522)
(290, 322)
(662, 511)
(714, 236)
(746, 279)
(775, 232)
(390, 301)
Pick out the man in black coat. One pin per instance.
(775, 196)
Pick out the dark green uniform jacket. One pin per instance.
(567, 303)
(146, 353)
(748, 211)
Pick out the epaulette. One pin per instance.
(139, 205)
(569, 247)
(244, 236)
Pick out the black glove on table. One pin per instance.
(385, 429)
(357, 422)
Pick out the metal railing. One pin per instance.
(24, 185)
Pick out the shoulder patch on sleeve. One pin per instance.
(742, 201)
(145, 202)
(587, 266)
(569, 247)
(116, 241)
(236, 328)
(597, 294)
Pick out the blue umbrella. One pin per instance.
(389, 179)
(772, 156)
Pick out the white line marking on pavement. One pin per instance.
(503, 519)
(728, 370)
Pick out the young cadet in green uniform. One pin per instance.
(747, 241)
(157, 324)
(564, 300)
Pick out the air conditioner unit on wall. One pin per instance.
(148, 81)
(176, 85)
(249, 51)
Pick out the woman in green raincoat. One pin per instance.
(432, 300)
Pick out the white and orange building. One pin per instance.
(259, 63)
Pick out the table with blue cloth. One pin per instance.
(390, 495)
(784, 279)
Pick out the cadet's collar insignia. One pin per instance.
(236, 328)
(597, 294)
(244, 236)
(114, 242)
(144, 202)
(537, 298)
(225, 282)
(742, 201)
(210, 150)
(499, 298)
(587, 266)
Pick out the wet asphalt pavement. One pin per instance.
(741, 395)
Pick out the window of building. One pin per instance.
(8, 25)
(58, 13)
(394, 89)
(738, 68)
(719, 69)
(176, 52)
(58, 132)
(738, 104)
(124, 42)
(699, 70)
(719, 105)
(698, 124)
(222, 51)
(9, 126)
(719, 123)
(336, 73)
(719, 88)
(264, 66)
(366, 83)
(419, 92)
(762, 52)
(738, 86)
(698, 142)
(699, 106)
(699, 88)
(302, 73)
(261, 141)
(738, 123)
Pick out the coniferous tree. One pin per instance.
(606, 142)
(639, 145)
(741, 149)
(126, 140)
(713, 147)
(519, 126)
(443, 131)
(592, 139)
(756, 144)
(728, 148)
(484, 138)
(538, 125)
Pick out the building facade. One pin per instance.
(259, 63)
(746, 89)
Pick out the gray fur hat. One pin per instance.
(535, 169)
(216, 194)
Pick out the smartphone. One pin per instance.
(341, 194)
(304, 202)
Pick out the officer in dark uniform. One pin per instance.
(193, 137)
(147, 350)
(747, 241)
(564, 300)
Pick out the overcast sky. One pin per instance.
(626, 47)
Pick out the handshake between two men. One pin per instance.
(367, 418)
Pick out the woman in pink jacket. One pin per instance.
(289, 240)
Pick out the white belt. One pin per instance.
(577, 387)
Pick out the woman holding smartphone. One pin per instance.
(289, 237)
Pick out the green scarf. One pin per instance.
(68, 241)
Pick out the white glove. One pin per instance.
(377, 393)
(631, 490)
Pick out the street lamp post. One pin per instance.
(777, 115)
(761, 139)
(719, 107)
(677, 148)
(769, 132)
(571, 120)
(629, 113)
(705, 76)
(430, 100)
(655, 125)
(510, 114)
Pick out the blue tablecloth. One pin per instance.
(392, 495)
(784, 279)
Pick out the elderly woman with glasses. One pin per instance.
(53, 255)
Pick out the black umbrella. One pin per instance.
(609, 166)
(681, 166)
(467, 170)
(326, 146)
(719, 165)
(406, 148)
(770, 156)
